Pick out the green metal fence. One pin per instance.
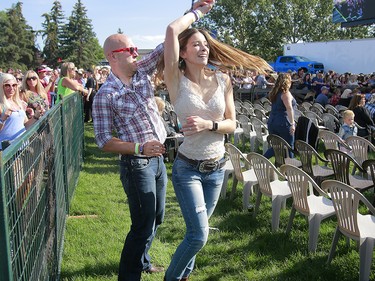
(38, 175)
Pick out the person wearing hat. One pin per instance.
(48, 79)
(322, 98)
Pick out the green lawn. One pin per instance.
(243, 247)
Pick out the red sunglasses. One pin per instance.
(131, 50)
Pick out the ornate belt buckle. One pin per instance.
(208, 166)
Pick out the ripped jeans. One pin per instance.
(197, 194)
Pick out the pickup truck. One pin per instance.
(293, 63)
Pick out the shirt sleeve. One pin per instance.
(103, 115)
(149, 62)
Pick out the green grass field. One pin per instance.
(243, 247)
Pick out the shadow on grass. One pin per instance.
(94, 271)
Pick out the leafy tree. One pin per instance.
(79, 43)
(51, 33)
(262, 27)
(17, 40)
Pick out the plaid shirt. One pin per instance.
(129, 110)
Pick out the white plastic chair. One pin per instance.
(261, 131)
(269, 185)
(360, 148)
(243, 173)
(315, 207)
(352, 224)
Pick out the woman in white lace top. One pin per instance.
(203, 101)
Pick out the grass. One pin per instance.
(244, 248)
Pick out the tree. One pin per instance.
(17, 41)
(78, 42)
(51, 33)
(262, 27)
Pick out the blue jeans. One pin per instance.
(144, 181)
(197, 193)
(281, 128)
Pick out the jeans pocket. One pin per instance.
(139, 163)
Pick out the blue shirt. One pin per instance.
(322, 99)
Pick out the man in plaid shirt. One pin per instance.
(125, 104)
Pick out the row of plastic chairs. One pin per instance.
(292, 181)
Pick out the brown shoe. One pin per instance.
(154, 269)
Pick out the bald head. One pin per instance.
(114, 42)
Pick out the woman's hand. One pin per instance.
(204, 5)
(195, 124)
(292, 129)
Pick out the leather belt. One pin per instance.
(205, 166)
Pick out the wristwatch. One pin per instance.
(141, 149)
(215, 126)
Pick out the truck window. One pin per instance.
(284, 59)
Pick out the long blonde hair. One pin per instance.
(5, 77)
(39, 87)
(222, 56)
(282, 84)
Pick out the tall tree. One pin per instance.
(51, 34)
(262, 27)
(17, 40)
(79, 43)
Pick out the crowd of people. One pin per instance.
(34, 92)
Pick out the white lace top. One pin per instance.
(205, 144)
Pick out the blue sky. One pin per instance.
(144, 21)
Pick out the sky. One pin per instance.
(144, 21)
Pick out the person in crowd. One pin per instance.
(89, 98)
(203, 101)
(13, 119)
(67, 83)
(80, 77)
(346, 97)
(362, 115)
(348, 128)
(335, 98)
(322, 98)
(103, 74)
(47, 78)
(247, 80)
(305, 82)
(262, 82)
(352, 80)
(36, 96)
(318, 82)
(281, 120)
(19, 78)
(125, 103)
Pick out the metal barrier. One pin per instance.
(38, 174)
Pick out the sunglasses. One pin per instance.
(31, 78)
(10, 85)
(18, 79)
(131, 50)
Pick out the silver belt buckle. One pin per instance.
(208, 166)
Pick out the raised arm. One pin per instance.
(172, 46)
